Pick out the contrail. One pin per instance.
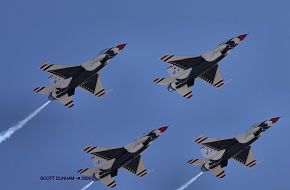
(190, 181)
(6, 134)
(88, 185)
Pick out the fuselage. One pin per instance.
(238, 145)
(235, 150)
(130, 152)
(122, 159)
(80, 78)
(199, 70)
(87, 71)
(206, 62)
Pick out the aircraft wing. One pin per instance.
(87, 171)
(184, 91)
(246, 158)
(216, 143)
(183, 62)
(104, 153)
(94, 86)
(218, 172)
(66, 101)
(61, 70)
(213, 77)
(109, 181)
(136, 167)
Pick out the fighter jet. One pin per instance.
(237, 148)
(85, 76)
(128, 157)
(184, 70)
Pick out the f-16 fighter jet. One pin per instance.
(238, 148)
(85, 76)
(184, 70)
(127, 157)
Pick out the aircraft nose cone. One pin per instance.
(242, 37)
(163, 129)
(275, 119)
(121, 46)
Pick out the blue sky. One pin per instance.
(71, 32)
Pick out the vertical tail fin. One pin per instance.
(109, 181)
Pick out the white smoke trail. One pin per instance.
(6, 134)
(184, 186)
(88, 185)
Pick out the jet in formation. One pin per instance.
(237, 148)
(184, 70)
(108, 160)
(86, 76)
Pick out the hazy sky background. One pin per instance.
(71, 32)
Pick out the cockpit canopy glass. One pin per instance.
(103, 51)
(223, 42)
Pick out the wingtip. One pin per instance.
(188, 95)
(158, 80)
(43, 65)
(165, 57)
(86, 148)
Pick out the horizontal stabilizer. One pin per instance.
(66, 101)
(218, 171)
(109, 181)
(184, 91)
